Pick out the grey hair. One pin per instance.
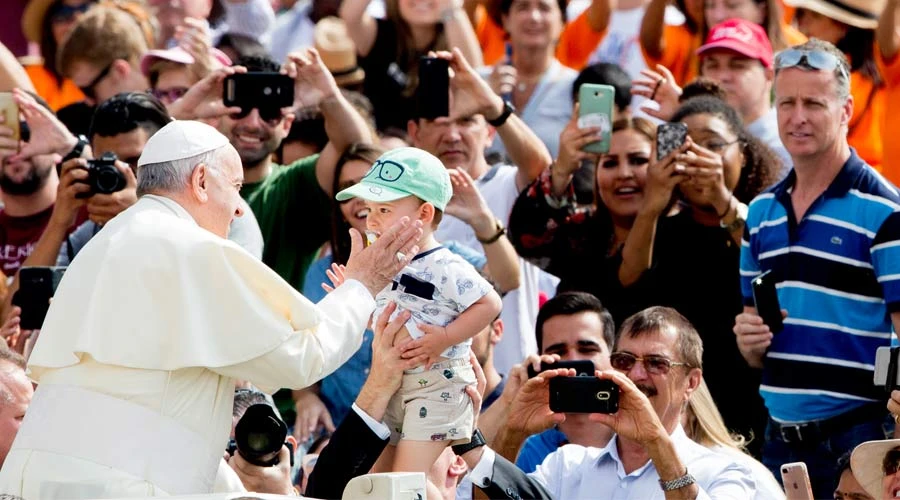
(175, 175)
(841, 71)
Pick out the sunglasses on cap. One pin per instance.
(655, 365)
(815, 59)
(891, 463)
(269, 115)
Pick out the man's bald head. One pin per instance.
(15, 396)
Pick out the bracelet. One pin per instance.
(500, 232)
(727, 209)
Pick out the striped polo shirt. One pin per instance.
(838, 274)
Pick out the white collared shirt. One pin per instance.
(577, 472)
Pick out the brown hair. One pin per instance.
(340, 239)
(406, 55)
(657, 319)
(640, 125)
(107, 32)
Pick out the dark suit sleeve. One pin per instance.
(352, 451)
(509, 482)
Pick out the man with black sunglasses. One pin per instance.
(829, 235)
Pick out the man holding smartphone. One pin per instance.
(829, 236)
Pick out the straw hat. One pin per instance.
(860, 13)
(337, 51)
(866, 461)
(33, 18)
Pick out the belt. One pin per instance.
(450, 363)
(816, 430)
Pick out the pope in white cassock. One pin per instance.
(155, 320)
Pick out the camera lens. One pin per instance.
(267, 91)
(259, 435)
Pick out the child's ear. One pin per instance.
(426, 213)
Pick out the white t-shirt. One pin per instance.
(436, 287)
(520, 306)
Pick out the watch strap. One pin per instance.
(476, 442)
(500, 232)
(676, 484)
(77, 150)
(508, 109)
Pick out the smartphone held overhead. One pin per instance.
(258, 90)
(433, 93)
(595, 109)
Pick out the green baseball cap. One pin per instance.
(404, 172)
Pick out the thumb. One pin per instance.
(327, 422)
(356, 243)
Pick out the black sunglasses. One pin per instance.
(891, 463)
(88, 89)
(269, 115)
(655, 365)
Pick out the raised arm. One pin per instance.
(251, 18)
(316, 87)
(360, 25)
(12, 74)
(461, 32)
(887, 35)
(652, 28)
(599, 13)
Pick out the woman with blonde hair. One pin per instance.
(704, 425)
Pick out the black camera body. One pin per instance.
(259, 436)
(103, 176)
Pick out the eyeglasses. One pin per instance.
(268, 114)
(814, 59)
(386, 170)
(170, 95)
(655, 365)
(67, 13)
(891, 463)
(88, 89)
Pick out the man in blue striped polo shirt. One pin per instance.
(830, 234)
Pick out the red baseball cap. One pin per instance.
(744, 37)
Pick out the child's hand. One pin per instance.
(432, 344)
(336, 275)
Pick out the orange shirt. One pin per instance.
(577, 42)
(57, 96)
(792, 35)
(679, 53)
(890, 71)
(491, 37)
(868, 118)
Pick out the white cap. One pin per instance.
(181, 139)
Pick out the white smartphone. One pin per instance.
(886, 361)
(796, 481)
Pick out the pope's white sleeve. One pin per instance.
(309, 355)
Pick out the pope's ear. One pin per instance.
(200, 181)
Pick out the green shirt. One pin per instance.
(294, 215)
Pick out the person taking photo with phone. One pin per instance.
(828, 234)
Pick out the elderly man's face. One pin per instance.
(224, 186)
(15, 396)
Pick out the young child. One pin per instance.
(449, 303)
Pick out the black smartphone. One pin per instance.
(583, 367)
(36, 286)
(583, 395)
(887, 368)
(669, 137)
(258, 89)
(433, 93)
(766, 299)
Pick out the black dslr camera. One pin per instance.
(103, 176)
(259, 436)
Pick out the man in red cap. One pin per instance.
(738, 55)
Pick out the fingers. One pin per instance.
(755, 341)
(480, 379)
(382, 321)
(665, 73)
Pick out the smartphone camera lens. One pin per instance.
(267, 91)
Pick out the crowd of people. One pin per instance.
(396, 286)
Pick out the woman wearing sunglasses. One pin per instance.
(850, 26)
(47, 22)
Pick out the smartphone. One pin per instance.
(795, 478)
(595, 109)
(765, 296)
(583, 367)
(669, 137)
(10, 112)
(886, 368)
(433, 94)
(583, 395)
(258, 89)
(36, 287)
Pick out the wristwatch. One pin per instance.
(508, 109)
(740, 218)
(678, 483)
(500, 231)
(77, 150)
(476, 442)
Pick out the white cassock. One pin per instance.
(137, 359)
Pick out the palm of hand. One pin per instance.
(306, 90)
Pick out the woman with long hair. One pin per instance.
(390, 49)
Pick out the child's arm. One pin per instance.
(471, 321)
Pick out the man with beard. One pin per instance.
(293, 202)
(28, 179)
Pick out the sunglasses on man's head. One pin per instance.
(655, 365)
(268, 114)
(811, 59)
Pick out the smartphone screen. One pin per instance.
(669, 137)
(765, 296)
(433, 94)
(583, 395)
(595, 109)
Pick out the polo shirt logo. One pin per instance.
(836, 240)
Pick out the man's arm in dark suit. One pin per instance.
(507, 480)
(352, 451)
